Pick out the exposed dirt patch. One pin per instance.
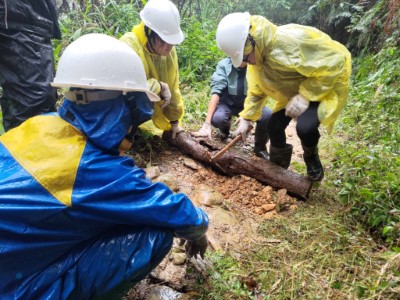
(240, 193)
(243, 201)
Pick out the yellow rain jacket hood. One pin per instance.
(158, 68)
(292, 59)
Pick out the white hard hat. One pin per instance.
(99, 61)
(232, 33)
(162, 16)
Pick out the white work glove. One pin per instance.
(243, 128)
(165, 94)
(296, 106)
(175, 128)
(205, 131)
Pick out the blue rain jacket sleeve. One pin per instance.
(63, 187)
(132, 199)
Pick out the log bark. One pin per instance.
(231, 163)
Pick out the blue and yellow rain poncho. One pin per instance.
(158, 68)
(294, 59)
(76, 219)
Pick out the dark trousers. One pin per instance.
(223, 115)
(26, 70)
(307, 127)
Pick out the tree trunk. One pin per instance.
(231, 163)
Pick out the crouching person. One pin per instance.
(76, 218)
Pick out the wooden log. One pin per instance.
(231, 163)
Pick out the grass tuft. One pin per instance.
(320, 256)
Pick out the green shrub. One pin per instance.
(368, 164)
(198, 54)
(112, 18)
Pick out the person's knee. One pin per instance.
(307, 132)
(266, 113)
(265, 118)
(219, 120)
(160, 243)
(275, 124)
(129, 254)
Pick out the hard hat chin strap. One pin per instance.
(249, 45)
(85, 96)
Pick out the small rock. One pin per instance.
(162, 292)
(152, 172)
(257, 202)
(190, 163)
(258, 210)
(177, 250)
(169, 181)
(268, 207)
(281, 192)
(207, 196)
(178, 259)
(245, 178)
(170, 273)
(266, 193)
(267, 190)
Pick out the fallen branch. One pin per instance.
(231, 163)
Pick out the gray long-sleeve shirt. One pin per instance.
(229, 83)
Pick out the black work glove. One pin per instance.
(195, 247)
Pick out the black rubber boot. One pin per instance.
(260, 140)
(222, 135)
(315, 170)
(281, 156)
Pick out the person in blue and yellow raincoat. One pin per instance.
(301, 68)
(154, 39)
(76, 218)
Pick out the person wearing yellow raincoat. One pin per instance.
(154, 39)
(301, 68)
(78, 220)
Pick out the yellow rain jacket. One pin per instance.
(292, 59)
(158, 68)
